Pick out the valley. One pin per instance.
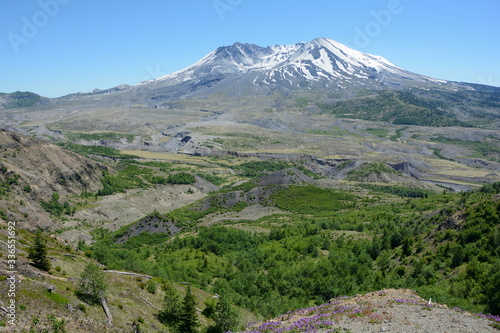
(262, 180)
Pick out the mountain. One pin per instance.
(326, 72)
(320, 60)
(243, 78)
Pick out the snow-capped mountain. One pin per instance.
(320, 60)
(327, 59)
(232, 60)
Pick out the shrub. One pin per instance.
(181, 178)
(151, 287)
(92, 285)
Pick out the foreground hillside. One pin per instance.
(391, 310)
(51, 302)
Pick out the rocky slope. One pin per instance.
(392, 310)
(35, 169)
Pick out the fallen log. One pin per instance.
(129, 273)
(145, 300)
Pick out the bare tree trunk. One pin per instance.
(104, 304)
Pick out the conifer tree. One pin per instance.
(173, 306)
(226, 317)
(38, 253)
(189, 317)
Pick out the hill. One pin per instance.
(33, 170)
(20, 99)
(391, 310)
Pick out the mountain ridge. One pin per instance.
(316, 60)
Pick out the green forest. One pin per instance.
(332, 242)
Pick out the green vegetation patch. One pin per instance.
(212, 178)
(58, 298)
(54, 207)
(186, 216)
(256, 169)
(437, 153)
(129, 176)
(368, 169)
(94, 150)
(261, 168)
(395, 107)
(380, 132)
(162, 166)
(301, 102)
(21, 99)
(145, 238)
(99, 136)
(181, 178)
(7, 179)
(482, 149)
(397, 190)
(398, 134)
(312, 200)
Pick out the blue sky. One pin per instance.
(56, 47)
